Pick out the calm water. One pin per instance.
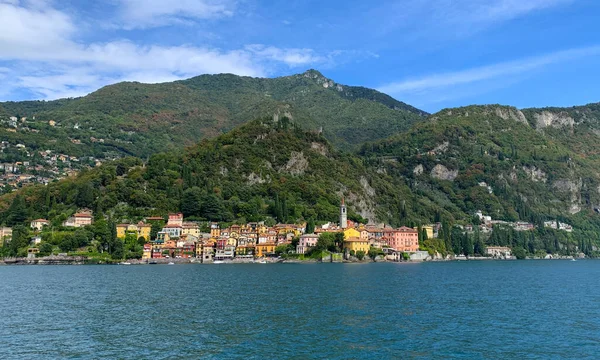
(519, 309)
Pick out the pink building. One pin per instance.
(306, 241)
(403, 239)
(175, 219)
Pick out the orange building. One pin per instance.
(264, 249)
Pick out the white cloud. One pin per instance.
(290, 56)
(40, 44)
(152, 13)
(484, 73)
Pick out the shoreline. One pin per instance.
(78, 260)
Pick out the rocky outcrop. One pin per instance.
(507, 113)
(441, 148)
(574, 189)
(550, 119)
(535, 174)
(441, 172)
(254, 179)
(418, 170)
(365, 184)
(297, 164)
(319, 147)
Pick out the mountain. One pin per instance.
(457, 162)
(577, 127)
(141, 119)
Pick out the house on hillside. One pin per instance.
(38, 224)
(80, 219)
(139, 230)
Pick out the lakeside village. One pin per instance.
(22, 165)
(177, 240)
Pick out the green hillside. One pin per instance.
(458, 162)
(141, 119)
(577, 127)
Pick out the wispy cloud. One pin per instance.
(290, 56)
(453, 18)
(449, 80)
(153, 13)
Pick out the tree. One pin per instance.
(360, 255)
(156, 227)
(310, 226)
(212, 208)
(17, 212)
(45, 249)
(295, 242)
(339, 241)
(191, 202)
(519, 253)
(282, 249)
(85, 196)
(374, 252)
(326, 242)
(467, 245)
(19, 241)
(102, 233)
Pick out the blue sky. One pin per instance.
(431, 54)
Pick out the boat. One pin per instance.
(573, 260)
(218, 262)
(262, 261)
(171, 263)
(125, 263)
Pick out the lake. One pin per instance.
(474, 310)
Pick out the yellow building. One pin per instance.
(139, 230)
(232, 241)
(428, 229)
(356, 244)
(190, 228)
(215, 230)
(264, 249)
(351, 233)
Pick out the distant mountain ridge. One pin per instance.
(140, 119)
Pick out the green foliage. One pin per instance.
(519, 252)
(360, 255)
(131, 118)
(310, 226)
(45, 249)
(274, 171)
(17, 212)
(374, 252)
(326, 242)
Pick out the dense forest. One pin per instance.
(134, 119)
(442, 170)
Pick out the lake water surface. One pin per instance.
(480, 310)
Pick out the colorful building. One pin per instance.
(175, 219)
(356, 244)
(264, 249)
(403, 239)
(80, 219)
(351, 233)
(306, 242)
(139, 230)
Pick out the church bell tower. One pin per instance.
(343, 215)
